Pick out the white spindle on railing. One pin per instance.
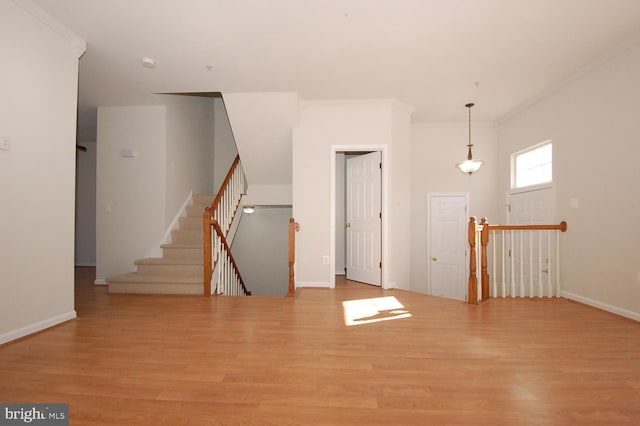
(494, 282)
(521, 266)
(558, 264)
(531, 257)
(548, 264)
(503, 281)
(540, 289)
(219, 266)
(512, 259)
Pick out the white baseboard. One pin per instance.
(604, 306)
(34, 328)
(100, 282)
(318, 284)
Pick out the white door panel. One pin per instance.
(364, 230)
(447, 246)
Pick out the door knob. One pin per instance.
(348, 225)
(434, 258)
(546, 271)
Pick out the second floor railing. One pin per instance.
(515, 260)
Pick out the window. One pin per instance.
(532, 166)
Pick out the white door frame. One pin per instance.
(428, 259)
(384, 150)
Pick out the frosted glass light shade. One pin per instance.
(469, 166)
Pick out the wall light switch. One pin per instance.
(325, 260)
(574, 203)
(4, 144)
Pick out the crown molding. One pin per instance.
(77, 44)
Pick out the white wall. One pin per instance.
(398, 216)
(594, 125)
(261, 250)
(435, 150)
(175, 157)
(85, 230)
(190, 145)
(325, 129)
(225, 146)
(131, 192)
(38, 82)
(262, 124)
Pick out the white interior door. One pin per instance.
(531, 208)
(363, 217)
(447, 246)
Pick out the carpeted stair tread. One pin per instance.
(143, 278)
(168, 261)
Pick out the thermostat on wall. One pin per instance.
(129, 153)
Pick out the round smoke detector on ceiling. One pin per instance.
(148, 63)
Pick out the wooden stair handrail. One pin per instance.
(293, 228)
(227, 249)
(562, 227)
(223, 187)
(210, 222)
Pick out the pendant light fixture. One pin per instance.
(469, 165)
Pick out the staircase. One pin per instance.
(180, 270)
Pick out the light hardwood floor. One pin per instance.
(149, 360)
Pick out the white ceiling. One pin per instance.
(428, 54)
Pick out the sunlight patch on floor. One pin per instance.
(366, 311)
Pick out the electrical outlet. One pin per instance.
(325, 260)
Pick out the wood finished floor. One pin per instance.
(149, 360)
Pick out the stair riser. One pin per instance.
(187, 236)
(182, 253)
(191, 223)
(195, 211)
(171, 270)
(202, 200)
(156, 288)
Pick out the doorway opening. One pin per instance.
(358, 206)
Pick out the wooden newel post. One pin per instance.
(473, 279)
(484, 242)
(207, 250)
(293, 228)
